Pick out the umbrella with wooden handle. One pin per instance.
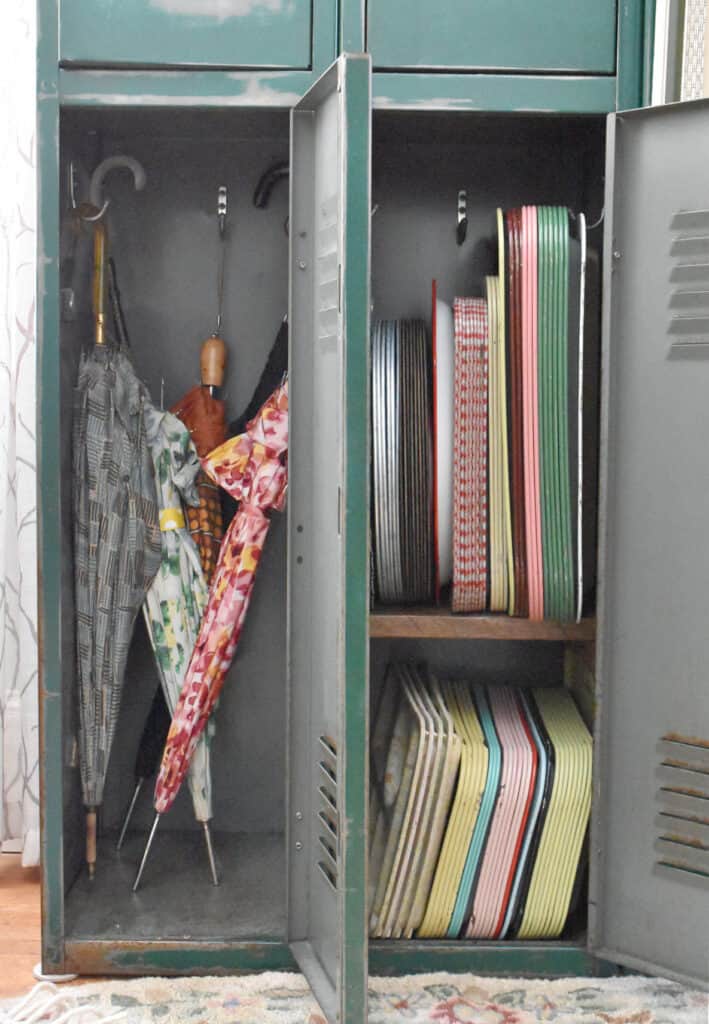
(203, 414)
(116, 531)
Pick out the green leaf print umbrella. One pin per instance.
(175, 602)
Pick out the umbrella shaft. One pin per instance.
(91, 840)
(129, 812)
(99, 283)
(146, 852)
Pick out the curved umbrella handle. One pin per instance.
(108, 165)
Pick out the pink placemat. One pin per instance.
(470, 503)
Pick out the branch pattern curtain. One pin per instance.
(19, 727)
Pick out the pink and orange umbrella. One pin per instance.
(252, 468)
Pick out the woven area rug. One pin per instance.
(439, 998)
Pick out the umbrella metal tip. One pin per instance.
(146, 851)
(210, 853)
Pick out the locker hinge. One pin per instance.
(340, 512)
(339, 287)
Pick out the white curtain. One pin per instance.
(19, 726)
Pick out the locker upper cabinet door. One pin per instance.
(650, 847)
(204, 33)
(486, 35)
(328, 536)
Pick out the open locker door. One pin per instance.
(328, 536)
(649, 899)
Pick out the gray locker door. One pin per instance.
(649, 902)
(328, 538)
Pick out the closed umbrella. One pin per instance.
(177, 598)
(147, 758)
(116, 541)
(203, 416)
(252, 468)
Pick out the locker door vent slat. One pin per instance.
(327, 256)
(689, 282)
(682, 838)
(327, 810)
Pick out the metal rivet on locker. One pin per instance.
(298, 815)
(299, 845)
(302, 264)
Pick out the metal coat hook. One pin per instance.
(268, 181)
(462, 222)
(72, 185)
(596, 223)
(266, 184)
(222, 203)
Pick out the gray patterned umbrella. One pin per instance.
(117, 550)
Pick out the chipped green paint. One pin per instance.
(159, 957)
(523, 959)
(536, 93)
(48, 504)
(183, 88)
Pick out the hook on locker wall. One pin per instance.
(222, 204)
(461, 229)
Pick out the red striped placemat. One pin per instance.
(470, 515)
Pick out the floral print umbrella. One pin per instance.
(175, 603)
(252, 469)
(204, 418)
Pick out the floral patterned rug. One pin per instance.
(437, 998)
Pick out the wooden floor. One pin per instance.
(19, 925)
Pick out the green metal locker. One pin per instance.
(292, 896)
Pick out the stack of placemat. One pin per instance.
(480, 801)
(402, 461)
(478, 438)
(517, 391)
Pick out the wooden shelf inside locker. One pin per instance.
(442, 624)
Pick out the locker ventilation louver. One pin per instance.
(326, 810)
(689, 282)
(682, 842)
